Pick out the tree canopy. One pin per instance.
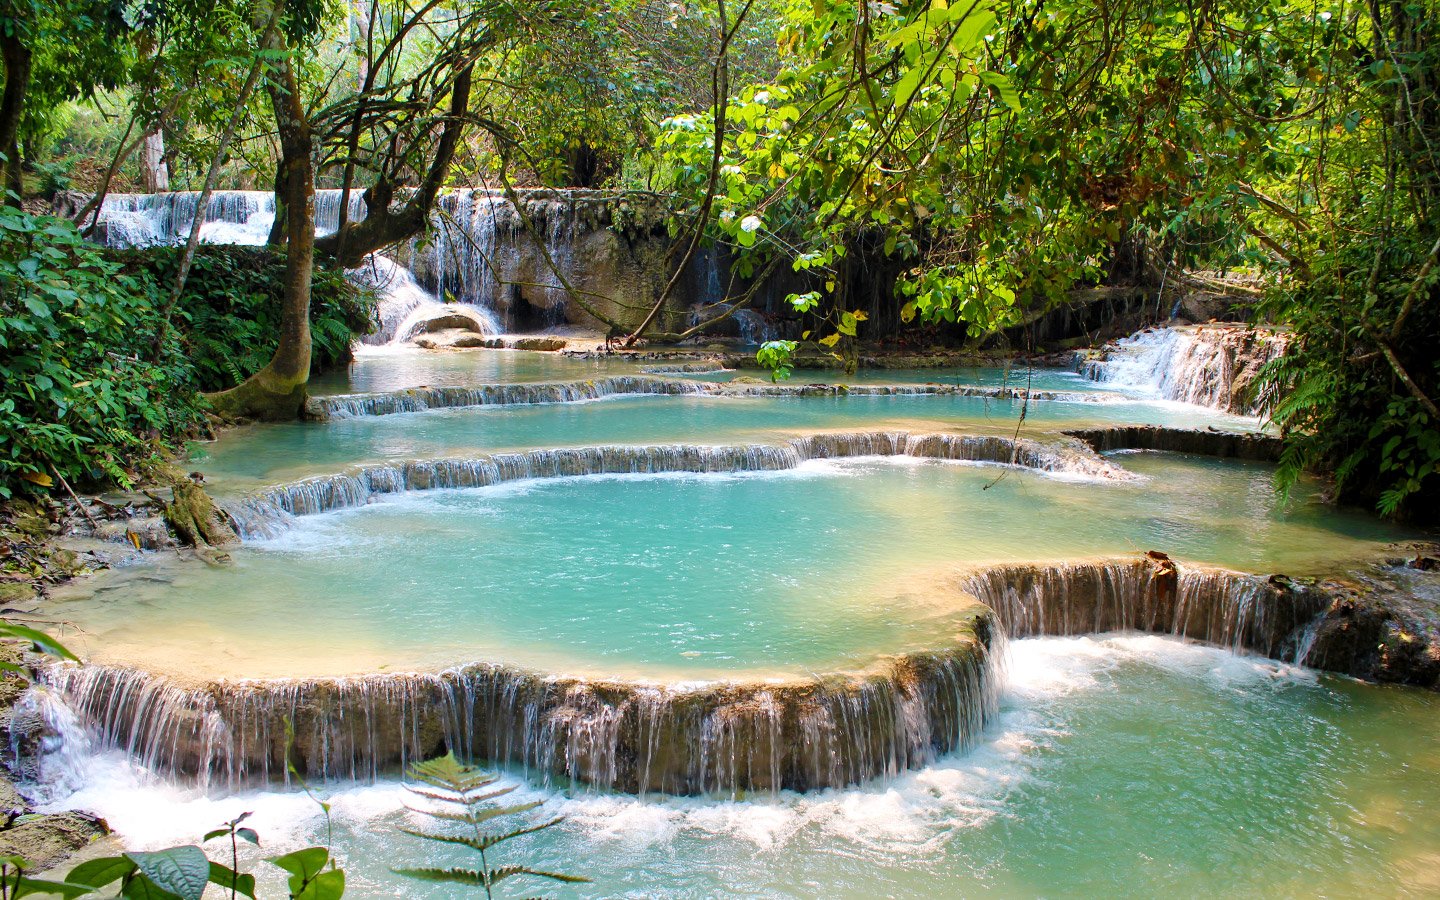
(995, 154)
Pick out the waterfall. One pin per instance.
(708, 366)
(470, 253)
(245, 217)
(420, 399)
(499, 394)
(404, 307)
(750, 326)
(715, 738)
(268, 512)
(1207, 365)
(1243, 613)
(231, 217)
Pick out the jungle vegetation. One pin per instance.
(994, 153)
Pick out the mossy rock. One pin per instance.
(48, 840)
(195, 519)
(12, 592)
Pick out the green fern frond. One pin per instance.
(482, 843)
(448, 876)
(500, 873)
(467, 790)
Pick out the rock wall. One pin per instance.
(1204, 442)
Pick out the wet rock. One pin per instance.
(1383, 624)
(195, 518)
(15, 592)
(46, 840)
(447, 321)
(539, 343)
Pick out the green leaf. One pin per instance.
(24, 886)
(908, 84)
(141, 888)
(325, 886)
(100, 872)
(484, 842)
(447, 876)
(228, 879)
(500, 873)
(1003, 88)
(183, 871)
(42, 641)
(303, 864)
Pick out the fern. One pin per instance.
(467, 792)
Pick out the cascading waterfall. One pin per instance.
(716, 738)
(245, 217)
(750, 326)
(420, 399)
(1208, 365)
(466, 255)
(405, 307)
(269, 512)
(231, 217)
(1242, 613)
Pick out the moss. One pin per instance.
(16, 592)
(264, 397)
(195, 519)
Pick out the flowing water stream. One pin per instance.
(1118, 766)
(734, 640)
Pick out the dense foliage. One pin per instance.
(80, 397)
(84, 394)
(1008, 150)
(230, 312)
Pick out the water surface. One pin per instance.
(680, 576)
(1120, 766)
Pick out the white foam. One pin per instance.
(915, 813)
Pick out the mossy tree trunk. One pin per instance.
(277, 392)
(16, 57)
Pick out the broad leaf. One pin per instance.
(325, 886)
(100, 872)
(228, 879)
(183, 871)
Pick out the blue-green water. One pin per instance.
(267, 454)
(1120, 765)
(682, 575)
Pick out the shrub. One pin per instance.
(79, 398)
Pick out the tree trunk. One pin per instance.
(383, 226)
(154, 173)
(277, 392)
(17, 80)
